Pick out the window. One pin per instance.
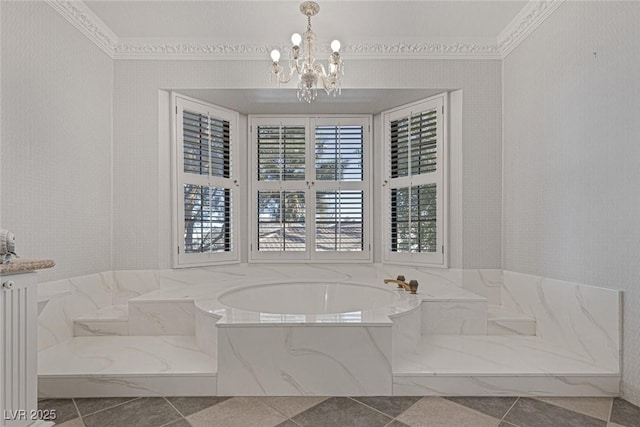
(204, 176)
(310, 188)
(415, 182)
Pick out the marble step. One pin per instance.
(152, 316)
(510, 365)
(110, 320)
(501, 321)
(463, 315)
(109, 366)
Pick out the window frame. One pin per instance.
(310, 186)
(180, 258)
(440, 178)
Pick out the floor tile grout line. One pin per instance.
(510, 408)
(173, 406)
(577, 411)
(293, 421)
(370, 407)
(474, 409)
(104, 409)
(177, 419)
(73, 400)
(282, 412)
(610, 411)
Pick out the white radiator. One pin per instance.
(18, 355)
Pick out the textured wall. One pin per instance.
(137, 148)
(571, 156)
(56, 141)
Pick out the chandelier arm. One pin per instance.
(285, 77)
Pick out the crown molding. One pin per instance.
(83, 18)
(524, 23)
(78, 14)
(188, 49)
(159, 49)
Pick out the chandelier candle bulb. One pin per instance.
(302, 62)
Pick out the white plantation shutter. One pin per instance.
(339, 221)
(339, 153)
(310, 188)
(281, 153)
(414, 189)
(281, 221)
(205, 184)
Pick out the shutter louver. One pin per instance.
(206, 144)
(413, 219)
(207, 219)
(339, 153)
(339, 221)
(414, 144)
(281, 153)
(281, 221)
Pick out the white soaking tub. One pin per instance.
(308, 298)
(307, 338)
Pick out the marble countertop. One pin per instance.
(23, 265)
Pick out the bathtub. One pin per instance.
(308, 298)
(308, 338)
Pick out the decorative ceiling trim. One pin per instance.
(83, 18)
(524, 23)
(78, 14)
(136, 49)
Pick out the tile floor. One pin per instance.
(343, 411)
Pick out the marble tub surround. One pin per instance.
(306, 361)
(461, 317)
(447, 322)
(457, 365)
(126, 366)
(484, 282)
(502, 321)
(161, 317)
(583, 319)
(110, 320)
(86, 295)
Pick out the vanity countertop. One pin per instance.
(23, 265)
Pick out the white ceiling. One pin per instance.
(273, 22)
(284, 101)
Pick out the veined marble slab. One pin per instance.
(584, 319)
(305, 361)
(514, 385)
(60, 387)
(88, 294)
(494, 355)
(161, 317)
(454, 317)
(484, 282)
(131, 356)
(110, 320)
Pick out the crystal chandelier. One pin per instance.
(302, 61)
